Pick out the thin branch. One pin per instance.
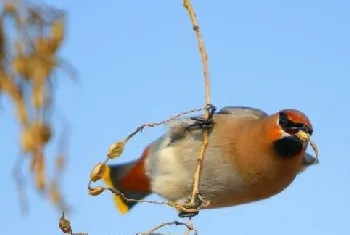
(189, 227)
(116, 149)
(140, 128)
(188, 6)
(177, 206)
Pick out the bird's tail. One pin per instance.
(131, 180)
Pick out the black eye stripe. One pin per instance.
(290, 126)
(300, 126)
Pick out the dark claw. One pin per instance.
(202, 122)
(198, 200)
(212, 110)
(197, 204)
(183, 214)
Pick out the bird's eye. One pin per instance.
(283, 119)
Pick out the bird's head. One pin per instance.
(291, 132)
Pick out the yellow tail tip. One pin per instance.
(120, 204)
(118, 200)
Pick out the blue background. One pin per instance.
(138, 62)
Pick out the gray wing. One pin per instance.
(243, 111)
(237, 111)
(178, 126)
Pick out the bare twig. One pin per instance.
(140, 128)
(188, 6)
(116, 149)
(95, 191)
(189, 227)
(116, 192)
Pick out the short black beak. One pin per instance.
(303, 128)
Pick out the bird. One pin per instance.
(250, 156)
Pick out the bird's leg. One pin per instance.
(198, 202)
(201, 122)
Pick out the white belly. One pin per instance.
(171, 171)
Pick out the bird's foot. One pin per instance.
(201, 122)
(195, 207)
(184, 214)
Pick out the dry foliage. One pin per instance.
(28, 61)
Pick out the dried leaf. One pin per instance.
(27, 140)
(64, 225)
(116, 150)
(97, 172)
(96, 191)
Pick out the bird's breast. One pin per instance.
(265, 176)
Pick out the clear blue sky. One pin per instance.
(139, 62)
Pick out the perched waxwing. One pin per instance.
(250, 156)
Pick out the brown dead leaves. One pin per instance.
(28, 60)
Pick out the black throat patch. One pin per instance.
(288, 147)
